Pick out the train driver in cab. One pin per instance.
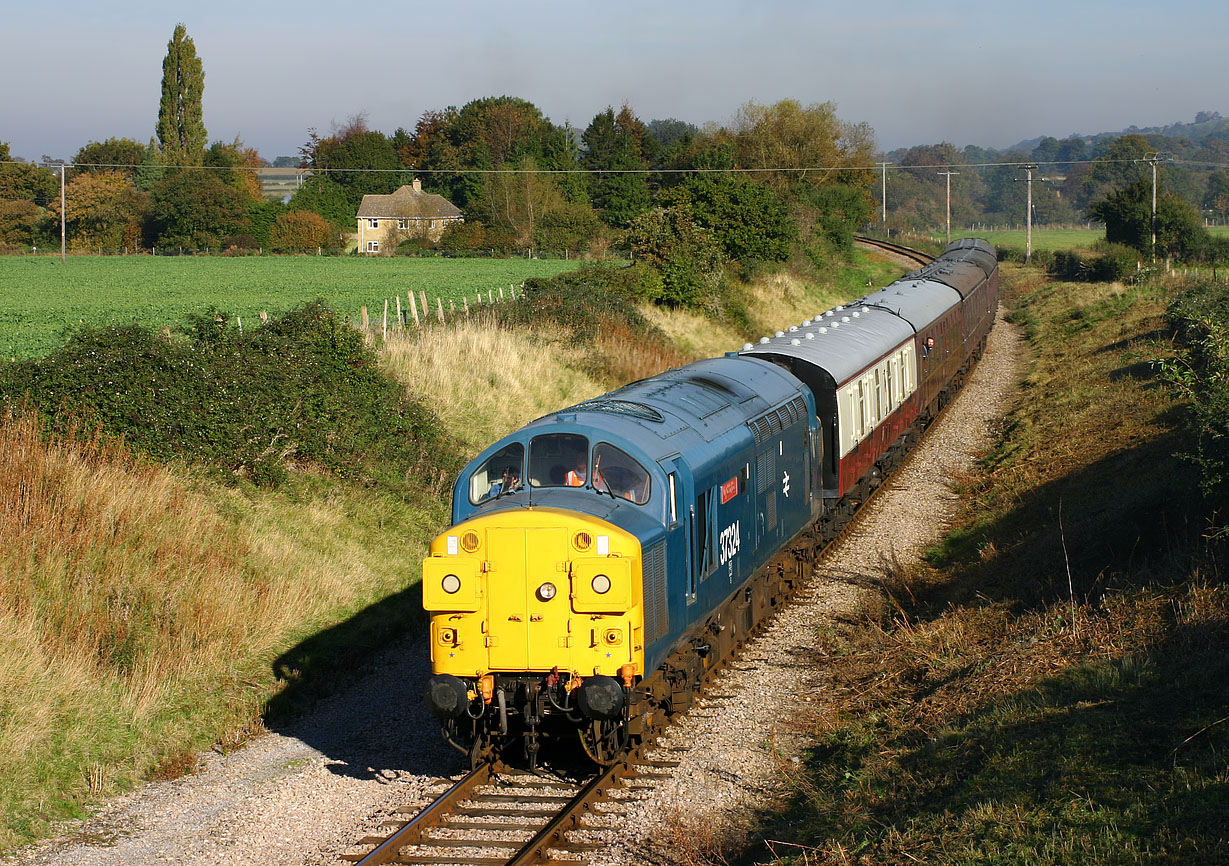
(576, 477)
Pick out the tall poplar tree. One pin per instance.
(181, 130)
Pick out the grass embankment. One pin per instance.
(40, 298)
(1052, 689)
(152, 609)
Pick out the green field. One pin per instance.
(41, 298)
(1043, 239)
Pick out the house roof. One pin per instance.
(407, 203)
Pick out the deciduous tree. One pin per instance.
(103, 209)
(121, 155)
(194, 209)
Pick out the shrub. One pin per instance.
(685, 253)
(1200, 375)
(1107, 263)
(302, 389)
(299, 231)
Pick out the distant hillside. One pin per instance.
(1207, 124)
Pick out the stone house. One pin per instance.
(386, 220)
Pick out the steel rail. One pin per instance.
(412, 832)
(908, 252)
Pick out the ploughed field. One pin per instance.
(42, 298)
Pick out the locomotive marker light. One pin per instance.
(546, 591)
(601, 584)
(450, 584)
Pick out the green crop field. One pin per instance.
(1043, 239)
(41, 298)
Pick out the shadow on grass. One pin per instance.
(1101, 527)
(1121, 761)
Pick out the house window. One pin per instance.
(403, 224)
(373, 223)
(433, 223)
(373, 246)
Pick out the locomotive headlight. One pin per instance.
(451, 583)
(601, 584)
(546, 591)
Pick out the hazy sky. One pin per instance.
(963, 72)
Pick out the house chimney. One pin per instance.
(417, 185)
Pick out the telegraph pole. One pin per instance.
(1152, 159)
(948, 174)
(1028, 237)
(63, 215)
(883, 195)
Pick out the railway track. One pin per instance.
(501, 816)
(908, 253)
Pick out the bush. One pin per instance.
(1106, 263)
(302, 389)
(299, 231)
(684, 253)
(1200, 375)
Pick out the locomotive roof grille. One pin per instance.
(627, 408)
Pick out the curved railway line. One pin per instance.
(903, 252)
(498, 815)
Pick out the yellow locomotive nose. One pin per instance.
(534, 590)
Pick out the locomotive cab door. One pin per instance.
(527, 598)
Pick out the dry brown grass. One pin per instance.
(485, 381)
(138, 620)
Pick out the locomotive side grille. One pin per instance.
(770, 512)
(774, 423)
(765, 470)
(656, 615)
(799, 407)
(759, 429)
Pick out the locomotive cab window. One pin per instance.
(559, 460)
(619, 474)
(501, 474)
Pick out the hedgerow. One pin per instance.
(1199, 315)
(302, 390)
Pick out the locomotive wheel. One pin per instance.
(605, 741)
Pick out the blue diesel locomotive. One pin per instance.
(603, 558)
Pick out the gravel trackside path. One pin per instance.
(736, 746)
(306, 794)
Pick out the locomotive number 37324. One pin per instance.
(730, 539)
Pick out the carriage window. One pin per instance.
(559, 460)
(501, 474)
(620, 474)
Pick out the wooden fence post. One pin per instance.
(426, 310)
(465, 301)
(365, 319)
(414, 308)
(501, 293)
(384, 322)
(399, 322)
(439, 305)
(264, 317)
